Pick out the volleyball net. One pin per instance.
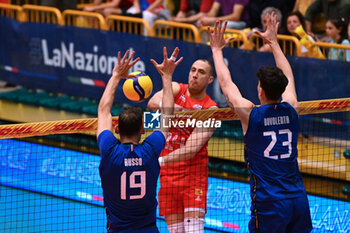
(49, 176)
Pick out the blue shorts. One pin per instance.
(282, 216)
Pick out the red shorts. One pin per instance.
(183, 193)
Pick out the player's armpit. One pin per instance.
(242, 108)
(155, 102)
(292, 100)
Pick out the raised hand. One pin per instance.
(217, 41)
(122, 67)
(168, 65)
(270, 35)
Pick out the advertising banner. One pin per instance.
(79, 62)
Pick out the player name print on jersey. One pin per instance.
(131, 162)
(280, 120)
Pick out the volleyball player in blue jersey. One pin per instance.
(129, 171)
(279, 201)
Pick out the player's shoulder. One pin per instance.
(209, 103)
(178, 89)
(156, 140)
(293, 109)
(180, 86)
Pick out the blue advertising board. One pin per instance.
(74, 175)
(79, 62)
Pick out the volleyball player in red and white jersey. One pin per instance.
(184, 160)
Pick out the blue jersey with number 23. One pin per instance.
(271, 153)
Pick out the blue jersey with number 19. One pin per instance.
(271, 153)
(129, 175)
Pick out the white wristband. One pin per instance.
(161, 161)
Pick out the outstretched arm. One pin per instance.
(235, 100)
(270, 37)
(166, 70)
(198, 138)
(120, 71)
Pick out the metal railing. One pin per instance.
(42, 14)
(84, 19)
(12, 11)
(174, 30)
(240, 38)
(339, 49)
(162, 29)
(127, 24)
(290, 45)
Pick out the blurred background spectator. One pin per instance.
(263, 18)
(294, 20)
(192, 10)
(60, 4)
(331, 9)
(234, 11)
(153, 10)
(255, 8)
(173, 6)
(118, 7)
(302, 5)
(336, 30)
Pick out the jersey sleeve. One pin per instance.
(181, 91)
(106, 142)
(157, 141)
(184, 5)
(206, 5)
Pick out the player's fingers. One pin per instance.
(131, 76)
(175, 52)
(165, 54)
(209, 31)
(178, 61)
(277, 25)
(224, 27)
(118, 57)
(134, 61)
(154, 63)
(260, 34)
(126, 55)
(273, 18)
(219, 26)
(273, 14)
(131, 56)
(216, 26)
(228, 40)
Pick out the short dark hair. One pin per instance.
(272, 81)
(211, 68)
(130, 121)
